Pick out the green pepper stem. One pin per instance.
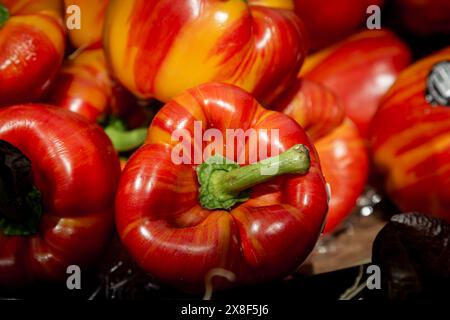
(295, 160)
(224, 184)
(125, 140)
(4, 15)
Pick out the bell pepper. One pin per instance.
(31, 48)
(161, 48)
(426, 17)
(360, 70)
(316, 108)
(92, 17)
(185, 222)
(328, 23)
(342, 151)
(58, 177)
(345, 165)
(410, 137)
(83, 85)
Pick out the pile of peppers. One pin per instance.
(154, 123)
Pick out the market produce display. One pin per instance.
(165, 149)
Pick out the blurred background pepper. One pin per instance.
(32, 44)
(410, 138)
(360, 70)
(342, 151)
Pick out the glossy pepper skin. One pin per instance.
(345, 165)
(342, 151)
(316, 108)
(32, 42)
(162, 224)
(92, 18)
(328, 22)
(258, 48)
(76, 170)
(360, 70)
(83, 85)
(410, 140)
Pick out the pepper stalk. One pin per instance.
(224, 183)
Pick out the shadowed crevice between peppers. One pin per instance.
(20, 200)
(225, 183)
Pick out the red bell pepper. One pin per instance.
(327, 23)
(58, 177)
(342, 151)
(360, 70)
(83, 85)
(410, 137)
(161, 48)
(317, 109)
(32, 41)
(260, 234)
